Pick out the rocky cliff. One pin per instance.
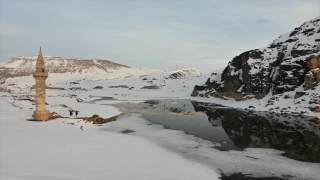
(280, 67)
(25, 66)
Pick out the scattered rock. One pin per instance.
(79, 100)
(63, 105)
(286, 96)
(299, 94)
(96, 119)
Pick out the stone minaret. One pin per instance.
(41, 114)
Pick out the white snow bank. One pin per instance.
(35, 150)
(53, 150)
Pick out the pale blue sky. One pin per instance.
(152, 34)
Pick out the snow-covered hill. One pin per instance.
(284, 76)
(280, 67)
(25, 66)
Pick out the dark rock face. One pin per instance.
(279, 68)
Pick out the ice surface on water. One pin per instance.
(254, 161)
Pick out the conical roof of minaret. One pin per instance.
(40, 62)
(40, 56)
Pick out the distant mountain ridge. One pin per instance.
(279, 68)
(25, 66)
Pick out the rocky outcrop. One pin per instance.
(312, 77)
(313, 62)
(279, 68)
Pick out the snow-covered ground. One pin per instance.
(54, 150)
(73, 149)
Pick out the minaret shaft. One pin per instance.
(40, 95)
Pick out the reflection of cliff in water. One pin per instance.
(296, 136)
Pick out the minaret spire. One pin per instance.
(40, 62)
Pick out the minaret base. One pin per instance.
(42, 115)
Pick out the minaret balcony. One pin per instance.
(41, 75)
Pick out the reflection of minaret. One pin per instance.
(41, 114)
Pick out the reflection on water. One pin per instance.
(298, 137)
(237, 129)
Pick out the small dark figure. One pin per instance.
(70, 113)
(77, 113)
(42, 69)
